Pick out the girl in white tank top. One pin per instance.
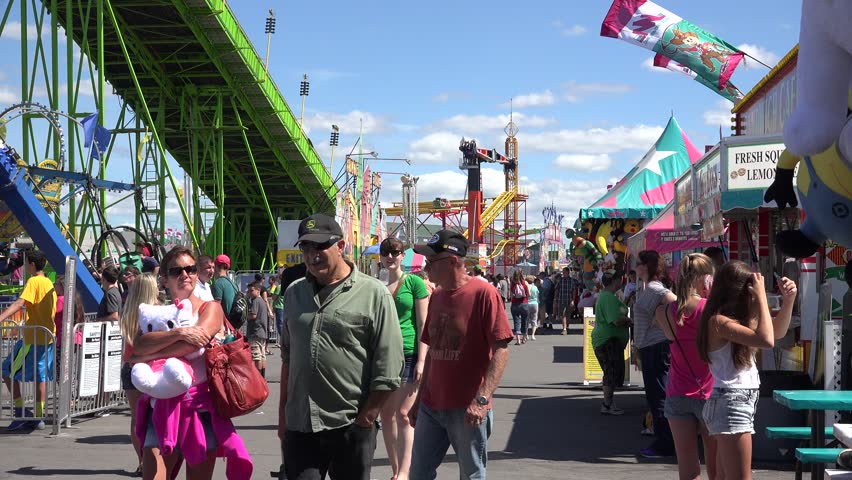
(736, 323)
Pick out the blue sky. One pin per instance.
(422, 75)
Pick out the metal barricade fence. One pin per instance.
(95, 369)
(28, 355)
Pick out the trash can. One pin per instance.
(772, 414)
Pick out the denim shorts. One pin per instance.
(681, 407)
(408, 369)
(126, 378)
(731, 410)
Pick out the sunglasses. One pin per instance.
(392, 253)
(316, 247)
(189, 269)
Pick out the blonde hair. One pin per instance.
(142, 290)
(692, 267)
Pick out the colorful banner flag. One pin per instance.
(730, 92)
(651, 26)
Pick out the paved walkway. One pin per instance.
(547, 426)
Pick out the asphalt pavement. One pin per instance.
(547, 426)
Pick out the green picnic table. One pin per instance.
(817, 402)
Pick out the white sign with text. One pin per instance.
(752, 166)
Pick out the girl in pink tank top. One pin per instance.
(690, 382)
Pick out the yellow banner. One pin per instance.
(289, 257)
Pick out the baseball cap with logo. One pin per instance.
(444, 241)
(319, 228)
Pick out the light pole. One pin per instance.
(304, 87)
(270, 29)
(333, 141)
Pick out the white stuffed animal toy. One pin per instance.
(170, 377)
(824, 73)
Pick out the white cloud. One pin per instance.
(763, 54)
(350, 122)
(438, 147)
(539, 99)
(720, 114)
(583, 162)
(568, 196)
(12, 31)
(648, 64)
(576, 91)
(569, 31)
(594, 141)
(441, 98)
(477, 124)
(7, 95)
(574, 31)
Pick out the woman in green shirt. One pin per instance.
(412, 301)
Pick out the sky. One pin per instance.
(417, 77)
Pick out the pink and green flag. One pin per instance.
(653, 27)
(730, 92)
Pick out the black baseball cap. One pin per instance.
(444, 241)
(319, 228)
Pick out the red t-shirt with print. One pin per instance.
(461, 328)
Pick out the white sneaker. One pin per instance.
(611, 410)
(532, 337)
(564, 332)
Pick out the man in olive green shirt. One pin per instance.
(342, 357)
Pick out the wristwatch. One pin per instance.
(482, 400)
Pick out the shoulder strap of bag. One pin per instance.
(399, 284)
(683, 353)
(230, 328)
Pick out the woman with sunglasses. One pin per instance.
(412, 301)
(198, 421)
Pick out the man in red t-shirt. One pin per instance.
(467, 333)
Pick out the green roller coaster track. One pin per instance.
(191, 85)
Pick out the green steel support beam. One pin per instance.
(260, 184)
(242, 45)
(148, 117)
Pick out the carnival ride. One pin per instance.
(189, 85)
(480, 230)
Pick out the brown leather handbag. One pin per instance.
(235, 384)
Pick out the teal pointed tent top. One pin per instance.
(649, 186)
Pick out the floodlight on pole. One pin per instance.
(269, 30)
(304, 88)
(333, 141)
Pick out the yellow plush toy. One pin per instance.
(824, 184)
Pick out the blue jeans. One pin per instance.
(655, 361)
(520, 313)
(279, 322)
(436, 430)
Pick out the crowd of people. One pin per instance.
(695, 340)
(421, 354)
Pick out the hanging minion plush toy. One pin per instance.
(818, 134)
(591, 257)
